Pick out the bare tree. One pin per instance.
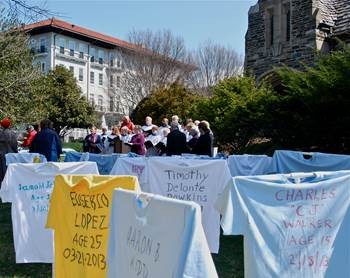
(27, 13)
(17, 73)
(155, 59)
(214, 63)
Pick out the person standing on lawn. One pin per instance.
(8, 144)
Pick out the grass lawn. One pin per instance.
(229, 263)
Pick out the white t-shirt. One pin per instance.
(133, 166)
(198, 180)
(294, 225)
(28, 187)
(142, 244)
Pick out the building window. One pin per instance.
(81, 74)
(92, 77)
(61, 43)
(271, 24)
(111, 105)
(100, 79)
(111, 60)
(111, 80)
(43, 45)
(92, 55)
(82, 50)
(118, 64)
(100, 100)
(118, 81)
(269, 27)
(92, 99)
(288, 22)
(100, 103)
(33, 46)
(43, 67)
(101, 55)
(71, 45)
(71, 69)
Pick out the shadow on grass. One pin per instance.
(229, 262)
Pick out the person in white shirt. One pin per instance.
(124, 134)
(148, 124)
(164, 135)
(164, 124)
(111, 139)
(154, 137)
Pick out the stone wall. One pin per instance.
(298, 51)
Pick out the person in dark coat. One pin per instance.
(176, 141)
(8, 144)
(194, 138)
(47, 142)
(93, 141)
(204, 144)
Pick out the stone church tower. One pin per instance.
(288, 32)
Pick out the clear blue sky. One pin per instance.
(224, 22)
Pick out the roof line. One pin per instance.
(66, 26)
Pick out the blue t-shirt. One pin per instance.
(24, 158)
(249, 165)
(105, 162)
(293, 161)
(294, 225)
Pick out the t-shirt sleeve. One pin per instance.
(53, 204)
(223, 188)
(231, 206)
(199, 263)
(226, 178)
(6, 191)
(137, 187)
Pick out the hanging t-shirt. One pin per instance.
(249, 165)
(24, 158)
(79, 215)
(294, 225)
(28, 187)
(142, 244)
(105, 162)
(195, 180)
(134, 166)
(293, 161)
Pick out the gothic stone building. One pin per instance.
(288, 32)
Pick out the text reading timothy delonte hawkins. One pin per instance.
(310, 229)
(187, 185)
(87, 245)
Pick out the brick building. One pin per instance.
(290, 31)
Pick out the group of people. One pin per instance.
(44, 140)
(193, 137)
(151, 140)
